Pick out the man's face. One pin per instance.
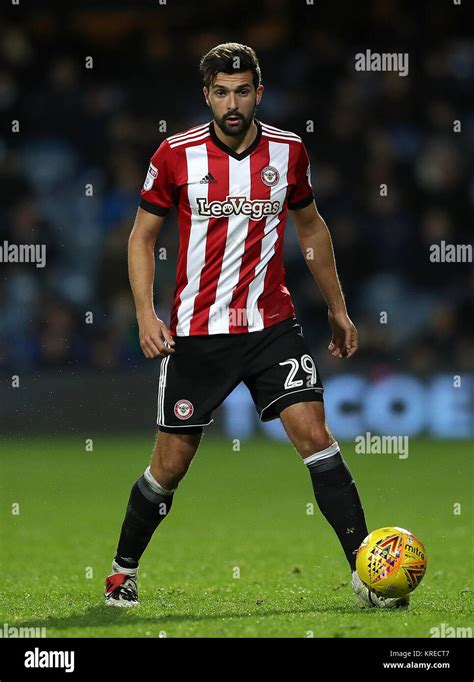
(233, 100)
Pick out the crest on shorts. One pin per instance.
(270, 176)
(183, 409)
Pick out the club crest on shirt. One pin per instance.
(270, 176)
(150, 177)
(183, 409)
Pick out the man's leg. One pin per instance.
(152, 496)
(334, 488)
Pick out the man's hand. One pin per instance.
(344, 340)
(154, 335)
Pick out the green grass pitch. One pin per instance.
(238, 556)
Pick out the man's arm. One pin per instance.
(316, 245)
(141, 270)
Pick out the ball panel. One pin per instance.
(391, 561)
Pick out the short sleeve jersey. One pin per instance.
(231, 215)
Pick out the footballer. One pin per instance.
(233, 180)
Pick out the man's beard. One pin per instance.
(238, 130)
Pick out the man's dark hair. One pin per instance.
(230, 58)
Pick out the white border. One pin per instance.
(186, 426)
(300, 390)
(160, 418)
(330, 451)
(161, 389)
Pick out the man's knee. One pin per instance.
(310, 435)
(172, 456)
(313, 439)
(305, 424)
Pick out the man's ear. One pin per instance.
(206, 95)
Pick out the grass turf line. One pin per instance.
(235, 513)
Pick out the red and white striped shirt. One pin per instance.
(231, 215)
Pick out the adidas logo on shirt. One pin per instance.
(208, 179)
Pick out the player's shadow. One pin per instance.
(101, 615)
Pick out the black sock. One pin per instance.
(338, 499)
(145, 511)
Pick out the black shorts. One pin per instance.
(274, 363)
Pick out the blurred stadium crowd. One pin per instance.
(97, 127)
